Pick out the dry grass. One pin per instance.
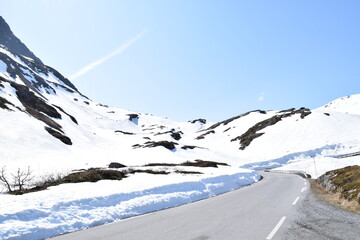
(333, 198)
(347, 181)
(196, 163)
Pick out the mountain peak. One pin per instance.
(348, 104)
(12, 43)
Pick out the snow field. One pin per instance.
(70, 207)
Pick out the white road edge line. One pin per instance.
(276, 228)
(297, 199)
(303, 189)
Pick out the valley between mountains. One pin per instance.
(51, 129)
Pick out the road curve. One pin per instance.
(260, 211)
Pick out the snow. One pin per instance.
(311, 144)
(70, 207)
(317, 166)
(3, 66)
(314, 162)
(349, 104)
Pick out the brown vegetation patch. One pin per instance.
(93, 175)
(149, 171)
(196, 163)
(90, 175)
(345, 181)
(333, 198)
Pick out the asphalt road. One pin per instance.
(321, 221)
(261, 211)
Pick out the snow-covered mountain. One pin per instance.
(47, 124)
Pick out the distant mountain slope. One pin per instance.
(48, 124)
(349, 104)
(12, 43)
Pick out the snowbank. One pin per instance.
(314, 162)
(70, 207)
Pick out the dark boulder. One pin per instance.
(116, 165)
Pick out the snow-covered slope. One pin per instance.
(349, 104)
(47, 124)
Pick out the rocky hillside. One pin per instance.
(345, 181)
(48, 124)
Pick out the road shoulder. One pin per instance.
(320, 220)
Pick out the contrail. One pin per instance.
(117, 51)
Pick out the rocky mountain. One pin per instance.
(47, 123)
(12, 43)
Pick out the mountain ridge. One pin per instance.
(12, 43)
(54, 119)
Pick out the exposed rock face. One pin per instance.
(31, 81)
(134, 118)
(59, 136)
(116, 165)
(151, 144)
(345, 181)
(202, 136)
(226, 122)
(325, 181)
(176, 135)
(200, 120)
(12, 43)
(4, 103)
(253, 132)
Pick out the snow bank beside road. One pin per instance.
(70, 207)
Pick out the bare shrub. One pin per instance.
(20, 179)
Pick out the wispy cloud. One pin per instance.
(117, 51)
(261, 97)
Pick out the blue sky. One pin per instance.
(189, 59)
